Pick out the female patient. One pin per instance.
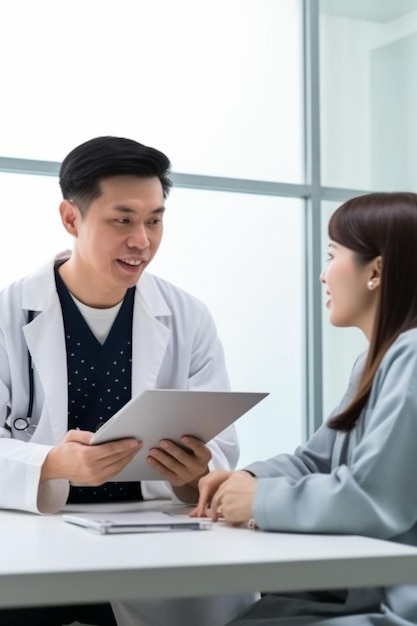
(358, 473)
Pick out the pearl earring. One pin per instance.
(371, 284)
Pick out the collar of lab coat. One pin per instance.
(45, 339)
(39, 291)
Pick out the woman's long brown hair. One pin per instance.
(380, 224)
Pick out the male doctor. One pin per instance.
(95, 328)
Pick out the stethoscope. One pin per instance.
(23, 423)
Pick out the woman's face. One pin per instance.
(352, 289)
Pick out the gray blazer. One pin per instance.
(363, 482)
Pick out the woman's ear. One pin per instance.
(376, 272)
(69, 216)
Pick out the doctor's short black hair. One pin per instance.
(103, 157)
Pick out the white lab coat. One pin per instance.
(174, 345)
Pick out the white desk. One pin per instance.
(44, 560)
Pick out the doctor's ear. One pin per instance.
(70, 216)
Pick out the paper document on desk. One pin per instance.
(136, 522)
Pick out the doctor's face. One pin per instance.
(116, 239)
(349, 299)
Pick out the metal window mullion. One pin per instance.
(241, 185)
(28, 166)
(313, 325)
(186, 181)
(340, 194)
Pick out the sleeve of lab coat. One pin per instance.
(21, 462)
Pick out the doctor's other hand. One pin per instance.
(178, 465)
(228, 494)
(74, 460)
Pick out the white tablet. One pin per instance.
(157, 414)
(136, 522)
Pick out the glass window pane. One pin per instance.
(368, 56)
(241, 254)
(31, 232)
(217, 86)
(341, 346)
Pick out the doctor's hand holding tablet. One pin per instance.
(167, 427)
(75, 460)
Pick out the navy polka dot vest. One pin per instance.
(99, 382)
